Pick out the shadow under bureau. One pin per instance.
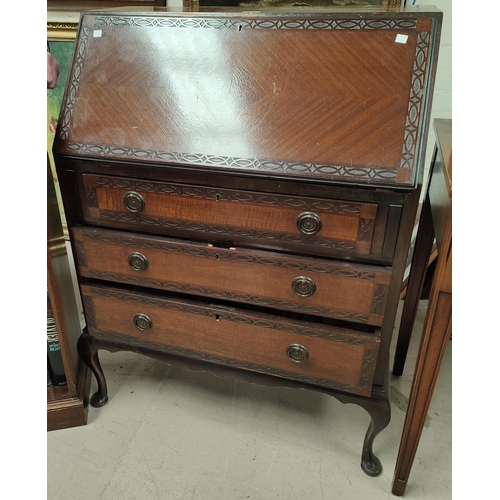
(241, 188)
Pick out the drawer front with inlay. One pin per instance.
(321, 354)
(318, 226)
(322, 287)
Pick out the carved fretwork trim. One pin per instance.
(292, 169)
(80, 253)
(264, 199)
(379, 300)
(337, 334)
(88, 307)
(91, 197)
(255, 300)
(365, 230)
(74, 81)
(412, 128)
(230, 232)
(145, 344)
(370, 360)
(242, 23)
(295, 170)
(330, 269)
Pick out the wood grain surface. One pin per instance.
(346, 291)
(240, 338)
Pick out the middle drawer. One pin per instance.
(321, 287)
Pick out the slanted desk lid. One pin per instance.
(329, 96)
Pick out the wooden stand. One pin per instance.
(435, 220)
(66, 405)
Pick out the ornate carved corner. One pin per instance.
(61, 31)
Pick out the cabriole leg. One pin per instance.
(88, 353)
(379, 409)
(380, 413)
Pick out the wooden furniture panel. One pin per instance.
(351, 292)
(237, 151)
(437, 213)
(433, 225)
(237, 111)
(332, 357)
(314, 225)
(66, 405)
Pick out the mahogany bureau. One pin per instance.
(241, 188)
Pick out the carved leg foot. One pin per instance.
(88, 353)
(380, 413)
(379, 409)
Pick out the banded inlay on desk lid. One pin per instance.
(217, 97)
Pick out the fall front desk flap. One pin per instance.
(323, 95)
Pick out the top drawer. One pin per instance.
(285, 222)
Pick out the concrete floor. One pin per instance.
(172, 434)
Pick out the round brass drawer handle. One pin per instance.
(134, 202)
(297, 353)
(142, 322)
(303, 286)
(137, 261)
(308, 223)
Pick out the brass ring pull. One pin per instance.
(303, 286)
(308, 223)
(134, 202)
(297, 353)
(137, 261)
(142, 322)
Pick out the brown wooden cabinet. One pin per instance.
(241, 187)
(66, 404)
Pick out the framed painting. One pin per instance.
(62, 51)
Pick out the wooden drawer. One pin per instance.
(325, 355)
(322, 287)
(284, 222)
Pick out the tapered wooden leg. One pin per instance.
(421, 253)
(88, 353)
(435, 338)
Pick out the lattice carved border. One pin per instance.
(74, 82)
(244, 298)
(229, 232)
(292, 169)
(251, 318)
(337, 270)
(414, 114)
(207, 193)
(232, 363)
(244, 23)
(299, 170)
(369, 364)
(337, 335)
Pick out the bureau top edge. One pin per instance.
(265, 11)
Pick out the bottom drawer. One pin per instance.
(322, 354)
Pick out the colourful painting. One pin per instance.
(63, 53)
